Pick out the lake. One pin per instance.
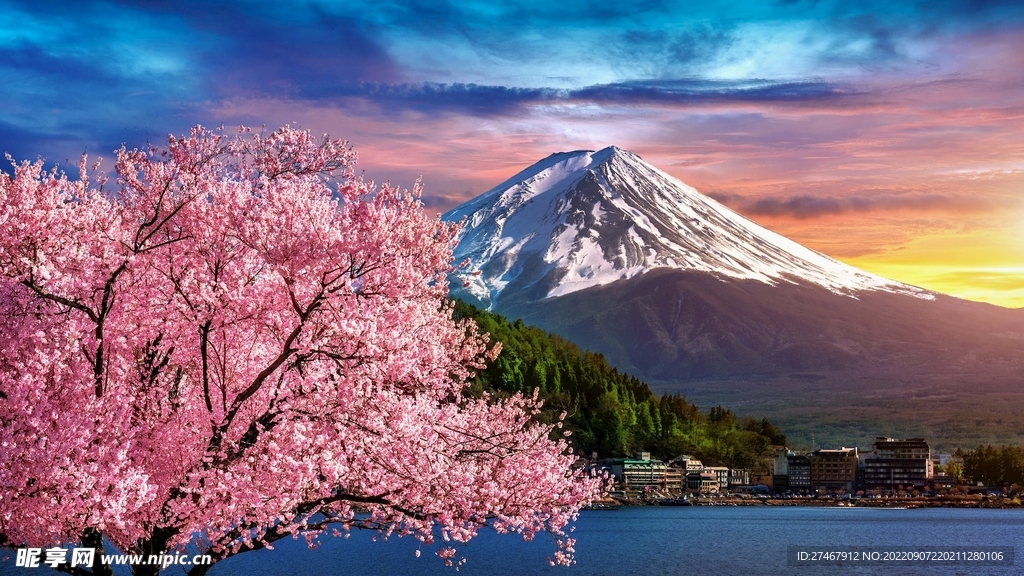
(662, 540)
(668, 540)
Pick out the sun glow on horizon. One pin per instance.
(983, 265)
(975, 255)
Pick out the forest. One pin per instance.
(995, 466)
(610, 413)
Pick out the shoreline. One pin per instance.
(894, 503)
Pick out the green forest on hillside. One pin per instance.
(610, 413)
(995, 466)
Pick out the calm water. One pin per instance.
(653, 540)
(711, 540)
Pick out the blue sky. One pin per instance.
(99, 73)
(885, 134)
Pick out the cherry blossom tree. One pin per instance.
(239, 340)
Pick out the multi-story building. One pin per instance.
(780, 469)
(798, 468)
(702, 482)
(685, 466)
(688, 463)
(943, 481)
(895, 463)
(738, 477)
(675, 477)
(834, 470)
(721, 475)
(791, 472)
(639, 472)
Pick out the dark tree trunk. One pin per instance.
(93, 538)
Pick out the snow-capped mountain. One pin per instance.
(670, 286)
(581, 219)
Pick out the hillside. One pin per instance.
(609, 412)
(676, 289)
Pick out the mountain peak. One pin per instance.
(580, 219)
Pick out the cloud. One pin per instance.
(696, 91)
(443, 98)
(521, 15)
(864, 39)
(665, 53)
(277, 50)
(26, 58)
(23, 144)
(482, 100)
(212, 49)
(990, 279)
(806, 206)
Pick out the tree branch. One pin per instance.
(60, 300)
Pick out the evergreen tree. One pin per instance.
(611, 413)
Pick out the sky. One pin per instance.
(887, 135)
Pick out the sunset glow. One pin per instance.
(888, 136)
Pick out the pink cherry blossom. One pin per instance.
(239, 340)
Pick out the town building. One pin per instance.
(780, 469)
(675, 477)
(943, 481)
(834, 471)
(898, 463)
(702, 482)
(688, 463)
(639, 472)
(687, 472)
(738, 477)
(798, 477)
(721, 475)
(791, 472)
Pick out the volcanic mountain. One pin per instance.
(624, 259)
(581, 219)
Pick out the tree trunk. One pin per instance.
(93, 538)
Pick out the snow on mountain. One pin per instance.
(580, 219)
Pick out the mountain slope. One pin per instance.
(611, 413)
(581, 219)
(672, 326)
(676, 289)
(827, 368)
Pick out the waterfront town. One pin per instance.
(893, 469)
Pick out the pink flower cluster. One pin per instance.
(240, 341)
